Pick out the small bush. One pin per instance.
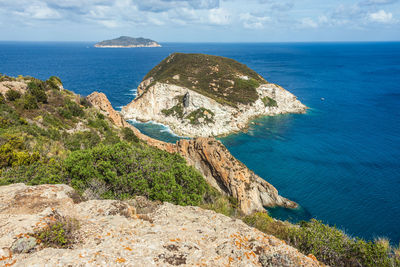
(269, 102)
(54, 83)
(199, 114)
(71, 109)
(129, 135)
(13, 95)
(51, 172)
(335, 248)
(37, 89)
(13, 153)
(84, 102)
(60, 232)
(214, 200)
(2, 99)
(29, 101)
(82, 140)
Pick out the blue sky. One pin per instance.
(201, 20)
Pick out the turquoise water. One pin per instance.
(340, 161)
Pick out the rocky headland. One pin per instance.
(200, 95)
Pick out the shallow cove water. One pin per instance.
(340, 161)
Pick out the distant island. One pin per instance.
(127, 42)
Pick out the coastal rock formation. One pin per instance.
(127, 42)
(215, 163)
(230, 176)
(209, 96)
(112, 233)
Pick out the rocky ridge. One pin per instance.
(215, 163)
(115, 233)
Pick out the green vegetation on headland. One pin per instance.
(51, 136)
(222, 79)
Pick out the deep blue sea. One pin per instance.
(340, 161)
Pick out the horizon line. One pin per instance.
(213, 42)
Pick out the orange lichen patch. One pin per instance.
(120, 260)
(230, 260)
(6, 257)
(10, 264)
(108, 234)
(127, 248)
(311, 256)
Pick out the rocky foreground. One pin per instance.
(132, 233)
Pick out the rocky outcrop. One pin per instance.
(215, 163)
(216, 119)
(230, 176)
(101, 101)
(15, 85)
(112, 233)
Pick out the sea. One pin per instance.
(340, 161)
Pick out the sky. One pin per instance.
(201, 20)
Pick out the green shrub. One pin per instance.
(13, 95)
(82, 140)
(84, 102)
(71, 109)
(263, 222)
(59, 232)
(54, 83)
(129, 135)
(176, 111)
(137, 170)
(269, 102)
(51, 172)
(37, 89)
(29, 101)
(99, 123)
(2, 99)
(201, 113)
(335, 248)
(13, 153)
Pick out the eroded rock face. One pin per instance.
(111, 234)
(215, 163)
(230, 176)
(154, 103)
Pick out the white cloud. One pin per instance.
(109, 23)
(381, 16)
(251, 21)
(308, 23)
(39, 11)
(219, 16)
